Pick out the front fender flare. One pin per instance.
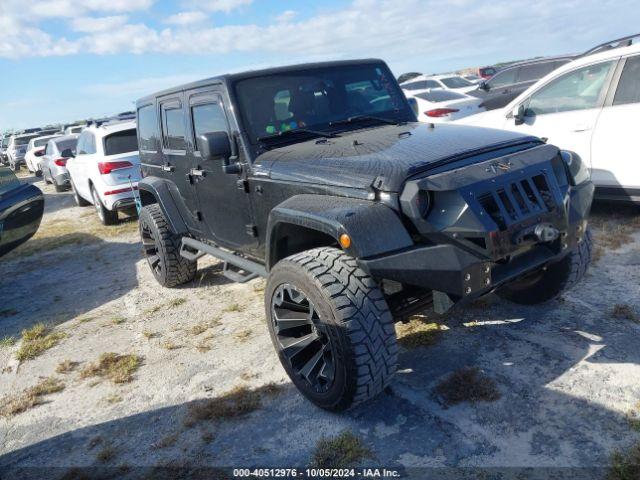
(374, 228)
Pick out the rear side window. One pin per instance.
(628, 90)
(535, 71)
(147, 129)
(121, 142)
(208, 118)
(86, 144)
(173, 128)
(440, 95)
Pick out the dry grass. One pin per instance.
(167, 441)
(342, 451)
(148, 334)
(417, 333)
(238, 402)
(633, 417)
(113, 398)
(36, 340)
(176, 302)
(66, 366)
(117, 368)
(243, 335)
(29, 398)
(7, 342)
(612, 228)
(624, 311)
(59, 232)
(107, 453)
(118, 320)
(8, 312)
(468, 384)
(234, 307)
(625, 465)
(169, 345)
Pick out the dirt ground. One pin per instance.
(202, 385)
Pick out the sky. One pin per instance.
(62, 60)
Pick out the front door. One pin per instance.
(177, 164)
(223, 197)
(566, 109)
(615, 148)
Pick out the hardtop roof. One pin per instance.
(233, 77)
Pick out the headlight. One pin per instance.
(578, 172)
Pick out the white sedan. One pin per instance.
(445, 82)
(35, 150)
(106, 169)
(435, 106)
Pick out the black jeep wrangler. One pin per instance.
(319, 178)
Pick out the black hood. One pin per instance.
(393, 152)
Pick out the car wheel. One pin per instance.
(331, 327)
(81, 202)
(13, 167)
(59, 188)
(554, 279)
(106, 216)
(162, 249)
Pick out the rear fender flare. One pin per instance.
(161, 191)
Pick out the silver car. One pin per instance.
(54, 161)
(17, 148)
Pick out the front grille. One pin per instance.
(515, 201)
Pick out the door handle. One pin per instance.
(168, 168)
(196, 172)
(581, 127)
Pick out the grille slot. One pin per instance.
(515, 201)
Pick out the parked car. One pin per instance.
(472, 78)
(54, 161)
(446, 82)
(408, 76)
(444, 105)
(21, 208)
(591, 107)
(73, 129)
(4, 143)
(106, 169)
(511, 81)
(17, 148)
(35, 150)
(319, 178)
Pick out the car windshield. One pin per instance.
(41, 142)
(24, 140)
(456, 82)
(316, 99)
(121, 142)
(67, 144)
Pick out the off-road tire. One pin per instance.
(174, 269)
(557, 278)
(356, 317)
(81, 202)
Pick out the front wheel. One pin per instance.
(331, 327)
(162, 249)
(554, 279)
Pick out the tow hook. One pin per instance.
(542, 232)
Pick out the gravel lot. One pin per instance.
(566, 373)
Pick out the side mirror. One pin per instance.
(518, 114)
(214, 146)
(483, 85)
(67, 153)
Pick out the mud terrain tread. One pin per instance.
(178, 270)
(362, 309)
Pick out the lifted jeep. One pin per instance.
(319, 178)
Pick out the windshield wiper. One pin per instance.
(289, 133)
(365, 118)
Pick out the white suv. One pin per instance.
(589, 106)
(106, 169)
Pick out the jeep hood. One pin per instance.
(391, 153)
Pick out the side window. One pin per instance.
(578, 90)
(90, 145)
(81, 144)
(628, 90)
(208, 118)
(173, 135)
(506, 77)
(147, 129)
(535, 71)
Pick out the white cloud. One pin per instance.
(286, 16)
(186, 18)
(132, 89)
(226, 6)
(97, 24)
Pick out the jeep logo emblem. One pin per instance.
(497, 167)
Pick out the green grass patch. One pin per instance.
(36, 340)
(342, 451)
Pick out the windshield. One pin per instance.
(67, 144)
(24, 140)
(40, 142)
(121, 142)
(456, 82)
(314, 99)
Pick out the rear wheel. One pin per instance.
(106, 216)
(162, 249)
(331, 327)
(554, 279)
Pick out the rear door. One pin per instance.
(223, 197)
(79, 167)
(176, 164)
(615, 160)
